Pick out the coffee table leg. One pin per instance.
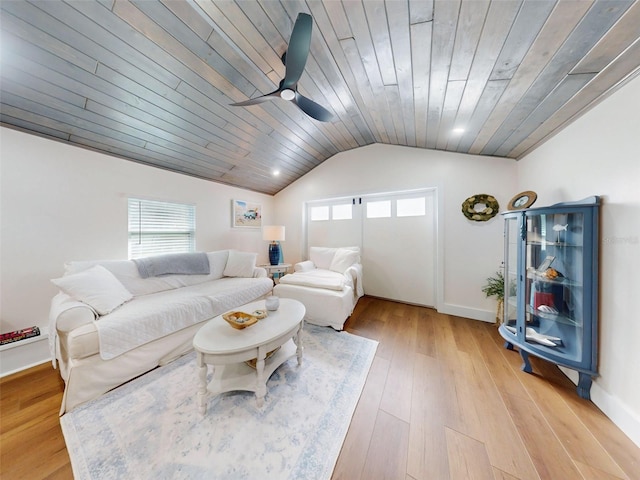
(298, 341)
(261, 384)
(202, 387)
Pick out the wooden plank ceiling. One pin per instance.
(151, 81)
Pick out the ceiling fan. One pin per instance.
(294, 60)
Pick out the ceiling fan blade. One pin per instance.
(312, 109)
(298, 50)
(255, 101)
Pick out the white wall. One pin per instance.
(61, 203)
(468, 252)
(599, 154)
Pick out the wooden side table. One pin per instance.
(276, 271)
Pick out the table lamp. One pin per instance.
(274, 234)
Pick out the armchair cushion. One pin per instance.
(316, 278)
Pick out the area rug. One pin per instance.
(150, 428)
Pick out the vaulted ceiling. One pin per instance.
(152, 81)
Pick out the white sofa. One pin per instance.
(329, 285)
(108, 324)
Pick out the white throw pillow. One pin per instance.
(322, 256)
(343, 259)
(97, 287)
(305, 266)
(240, 264)
(217, 263)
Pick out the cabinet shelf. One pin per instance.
(564, 281)
(553, 244)
(554, 319)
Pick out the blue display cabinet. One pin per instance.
(551, 286)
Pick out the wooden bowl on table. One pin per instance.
(240, 320)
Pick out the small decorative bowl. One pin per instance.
(239, 320)
(260, 314)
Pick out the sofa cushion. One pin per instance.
(80, 342)
(240, 264)
(343, 259)
(97, 287)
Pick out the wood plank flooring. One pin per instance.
(443, 400)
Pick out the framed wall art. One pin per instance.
(246, 214)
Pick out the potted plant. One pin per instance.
(495, 288)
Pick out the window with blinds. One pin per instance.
(160, 227)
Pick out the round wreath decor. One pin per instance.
(490, 211)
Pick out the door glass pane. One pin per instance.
(320, 213)
(410, 207)
(554, 262)
(380, 209)
(342, 212)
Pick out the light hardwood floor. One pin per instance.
(443, 400)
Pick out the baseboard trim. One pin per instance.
(24, 367)
(625, 419)
(466, 312)
(19, 356)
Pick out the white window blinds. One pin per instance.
(160, 227)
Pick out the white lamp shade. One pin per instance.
(273, 233)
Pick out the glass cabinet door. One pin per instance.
(511, 273)
(553, 289)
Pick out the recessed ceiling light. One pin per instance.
(275, 173)
(458, 130)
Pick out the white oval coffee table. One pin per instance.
(227, 349)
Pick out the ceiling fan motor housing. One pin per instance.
(287, 94)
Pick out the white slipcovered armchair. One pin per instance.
(329, 285)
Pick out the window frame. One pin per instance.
(159, 227)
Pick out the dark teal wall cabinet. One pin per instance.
(551, 286)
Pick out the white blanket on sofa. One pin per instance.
(159, 314)
(318, 278)
(149, 317)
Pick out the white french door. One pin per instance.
(397, 236)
